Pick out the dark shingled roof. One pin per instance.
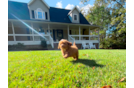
(56, 15)
(18, 9)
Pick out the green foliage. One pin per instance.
(19, 46)
(44, 44)
(111, 16)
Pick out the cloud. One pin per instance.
(59, 4)
(86, 8)
(69, 6)
(78, 7)
(80, 3)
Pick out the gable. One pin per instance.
(38, 4)
(38, 0)
(74, 15)
(75, 8)
(75, 11)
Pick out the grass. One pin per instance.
(41, 69)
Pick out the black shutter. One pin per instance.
(33, 16)
(46, 15)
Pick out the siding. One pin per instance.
(78, 18)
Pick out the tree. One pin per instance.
(111, 16)
(100, 15)
(118, 24)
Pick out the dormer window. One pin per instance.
(75, 17)
(39, 14)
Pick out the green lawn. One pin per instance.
(39, 69)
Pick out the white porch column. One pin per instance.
(13, 31)
(89, 33)
(68, 31)
(48, 29)
(79, 34)
(32, 31)
(52, 32)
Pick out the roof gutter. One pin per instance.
(56, 23)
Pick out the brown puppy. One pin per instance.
(67, 49)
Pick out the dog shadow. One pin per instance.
(87, 62)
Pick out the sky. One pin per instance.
(66, 4)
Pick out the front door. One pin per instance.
(59, 34)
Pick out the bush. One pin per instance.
(19, 46)
(44, 44)
(105, 44)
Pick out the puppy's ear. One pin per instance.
(69, 43)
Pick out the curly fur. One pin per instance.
(67, 49)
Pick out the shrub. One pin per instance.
(19, 46)
(106, 44)
(44, 44)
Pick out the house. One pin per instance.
(28, 23)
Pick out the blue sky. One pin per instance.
(67, 4)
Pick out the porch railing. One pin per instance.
(47, 37)
(84, 37)
(71, 38)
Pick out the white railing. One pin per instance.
(84, 35)
(27, 35)
(47, 37)
(89, 36)
(71, 38)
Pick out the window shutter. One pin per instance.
(46, 15)
(33, 16)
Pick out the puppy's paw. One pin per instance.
(65, 57)
(76, 59)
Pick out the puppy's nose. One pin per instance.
(62, 45)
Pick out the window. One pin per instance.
(75, 17)
(74, 32)
(39, 14)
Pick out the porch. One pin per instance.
(32, 32)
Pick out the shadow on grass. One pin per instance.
(88, 62)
